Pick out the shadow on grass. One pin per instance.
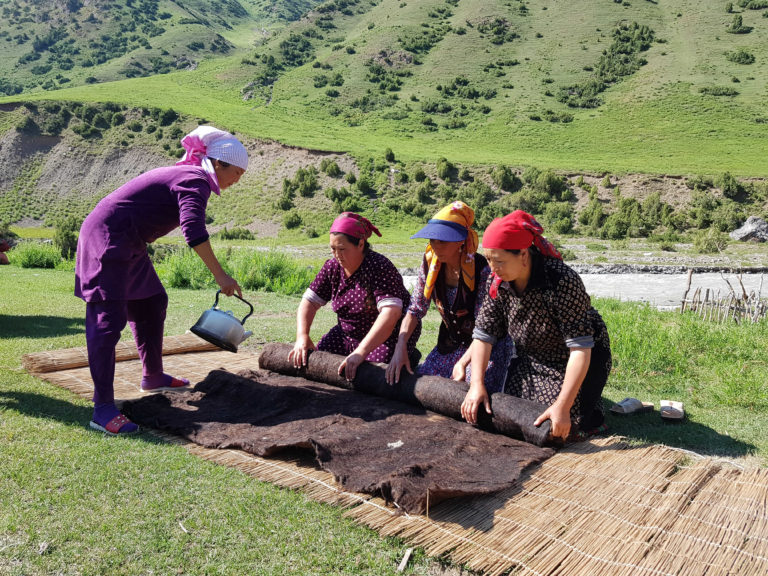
(688, 434)
(41, 406)
(39, 326)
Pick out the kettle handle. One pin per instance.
(216, 303)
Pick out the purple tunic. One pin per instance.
(356, 301)
(112, 258)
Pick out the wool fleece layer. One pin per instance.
(407, 455)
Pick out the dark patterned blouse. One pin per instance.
(553, 315)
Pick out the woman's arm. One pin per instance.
(377, 335)
(477, 394)
(305, 315)
(400, 357)
(227, 284)
(560, 411)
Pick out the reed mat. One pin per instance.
(597, 507)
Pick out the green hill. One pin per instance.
(50, 45)
(641, 86)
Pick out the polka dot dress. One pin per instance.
(355, 301)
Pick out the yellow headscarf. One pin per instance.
(455, 213)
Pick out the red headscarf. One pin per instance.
(354, 225)
(516, 231)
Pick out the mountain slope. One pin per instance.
(642, 86)
(48, 45)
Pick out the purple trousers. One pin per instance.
(104, 321)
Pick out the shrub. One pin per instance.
(729, 185)
(550, 183)
(350, 178)
(710, 241)
(419, 175)
(444, 168)
(559, 217)
(330, 167)
(504, 178)
(27, 125)
(740, 56)
(718, 91)
(389, 156)
(292, 220)
(65, 237)
(236, 234)
(737, 26)
(36, 255)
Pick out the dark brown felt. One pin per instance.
(401, 452)
(512, 416)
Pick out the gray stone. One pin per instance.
(753, 229)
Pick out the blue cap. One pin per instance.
(444, 230)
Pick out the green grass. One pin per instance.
(74, 501)
(98, 505)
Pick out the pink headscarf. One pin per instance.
(354, 225)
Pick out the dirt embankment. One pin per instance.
(70, 167)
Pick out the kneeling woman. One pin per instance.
(452, 275)
(367, 294)
(563, 351)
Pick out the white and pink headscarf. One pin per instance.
(205, 143)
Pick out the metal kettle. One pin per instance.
(221, 328)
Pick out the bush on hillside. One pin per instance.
(550, 183)
(737, 26)
(330, 167)
(729, 185)
(740, 56)
(444, 168)
(504, 178)
(558, 217)
(236, 233)
(292, 220)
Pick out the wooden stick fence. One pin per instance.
(711, 305)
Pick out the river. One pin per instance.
(665, 291)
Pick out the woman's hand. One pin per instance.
(399, 360)
(348, 367)
(475, 398)
(459, 372)
(560, 419)
(301, 350)
(228, 285)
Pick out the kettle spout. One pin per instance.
(246, 334)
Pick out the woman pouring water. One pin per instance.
(115, 276)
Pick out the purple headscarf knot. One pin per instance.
(354, 225)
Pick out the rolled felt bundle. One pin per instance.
(512, 416)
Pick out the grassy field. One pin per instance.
(655, 121)
(73, 501)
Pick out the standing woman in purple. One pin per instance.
(367, 293)
(115, 276)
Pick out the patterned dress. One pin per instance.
(357, 301)
(553, 315)
(438, 364)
